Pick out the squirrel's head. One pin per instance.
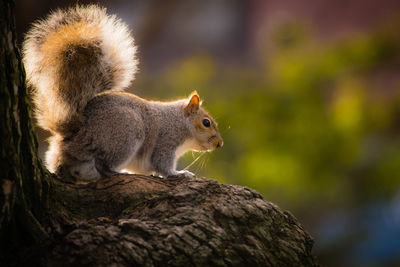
(202, 126)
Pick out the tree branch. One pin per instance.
(143, 220)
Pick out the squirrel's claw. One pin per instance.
(183, 174)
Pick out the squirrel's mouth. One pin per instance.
(215, 141)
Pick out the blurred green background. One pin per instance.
(307, 99)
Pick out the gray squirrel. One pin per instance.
(78, 61)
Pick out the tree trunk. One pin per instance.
(126, 219)
(24, 182)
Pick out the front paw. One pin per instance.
(182, 174)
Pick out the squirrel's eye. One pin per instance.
(206, 123)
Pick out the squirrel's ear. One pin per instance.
(194, 103)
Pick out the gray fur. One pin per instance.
(77, 60)
(120, 128)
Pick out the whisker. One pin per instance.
(195, 160)
(200, 165)
(203, 163)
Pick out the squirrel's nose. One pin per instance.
(220, 144)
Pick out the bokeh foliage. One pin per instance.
(313, 127)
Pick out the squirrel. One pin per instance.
(78, 61)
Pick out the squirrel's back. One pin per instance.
(70, 57)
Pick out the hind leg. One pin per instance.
(77, 170)
(67, 166)
(113, 165)
(84, 170)
(105, 170)
(122, 135)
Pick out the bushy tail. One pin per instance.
(70, 57)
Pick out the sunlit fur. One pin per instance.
(206, 139)
(77, 60)
(71, 56)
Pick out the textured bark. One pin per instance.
(24, 182)
(150, 221)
